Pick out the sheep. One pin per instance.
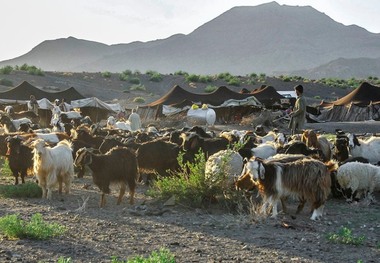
(52, 165)
(20, 158)
(307, 179)
(360, 177)
(112, 123)
(119, 165)
(226, 164)
(369, 148)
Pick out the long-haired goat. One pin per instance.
(52, 166)
(306, 179)
(311, 139)
(119, 165)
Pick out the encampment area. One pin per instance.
(224, 227)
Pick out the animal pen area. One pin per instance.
(327, 170)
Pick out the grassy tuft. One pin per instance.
(345, 236)
(14, 227)
(27, 190)
(161, 256)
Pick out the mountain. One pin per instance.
(268, 38)
(344, 68)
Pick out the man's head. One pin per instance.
(298, 89)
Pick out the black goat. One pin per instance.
(119, 165)
(20, 158)
(301, 148)
(158, 156)
(193, 142)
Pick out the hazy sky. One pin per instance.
(26, 23)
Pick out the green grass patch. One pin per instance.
(139, 87)
(210, 88)
(106, 74)
(139, 100)
(161, 256)
(345, 236)
(191, 187)
(27, 190)
(14, 227)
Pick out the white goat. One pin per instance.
(112, 123)
(360, 177)
(52, 166)
(224, 165)
(264, 150)
(369, 149)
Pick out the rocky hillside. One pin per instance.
(111, 88)
(268, 38)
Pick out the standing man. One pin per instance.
(298, 115)
(33, 104)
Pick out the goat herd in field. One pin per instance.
(308, 167)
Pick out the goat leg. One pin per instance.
(121, 193)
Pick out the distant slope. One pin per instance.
(267, 38)
(343, 68)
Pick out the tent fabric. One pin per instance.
(268, 95)
(178, 95)
(25, 89)
(362, 104)
(94, 102)
(362, 96)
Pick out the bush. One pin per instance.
(192, 78)
(210, 88)
(205, 79)
(106, 74)
(134, 80)
(127, 72)
(14, 227)
(123, 77)
(191, 187)
(27, 190)
(226, 76)
(33, 70)
(139, 100)
(162, 256)
(6, 82)
(181, 73)
(345, 236)
(6, 70)
(155, 77)
(137, 87)
(234, 81)
(24, 67)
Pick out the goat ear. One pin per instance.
(245, 160)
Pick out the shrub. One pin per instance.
(161, 256)
(181, 73)
(24, 67)
(64, 260)
(134, 80)
(6, 82)
(123, 77)
(14, 227)
(33, 70)
(210, 88)
(139, 100)
(127, 72)
(6, 70)
(155, 77)
(106, 74)
(234, 81)
(137, 87)
(191, 187)
(345, 236)
(226, 76)
(27, 190)
(5, 170)
(192, 78)
(205, 79)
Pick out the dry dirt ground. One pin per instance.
(192, 235)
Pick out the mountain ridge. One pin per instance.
(268, 38)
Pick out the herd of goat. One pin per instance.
(308, 167)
